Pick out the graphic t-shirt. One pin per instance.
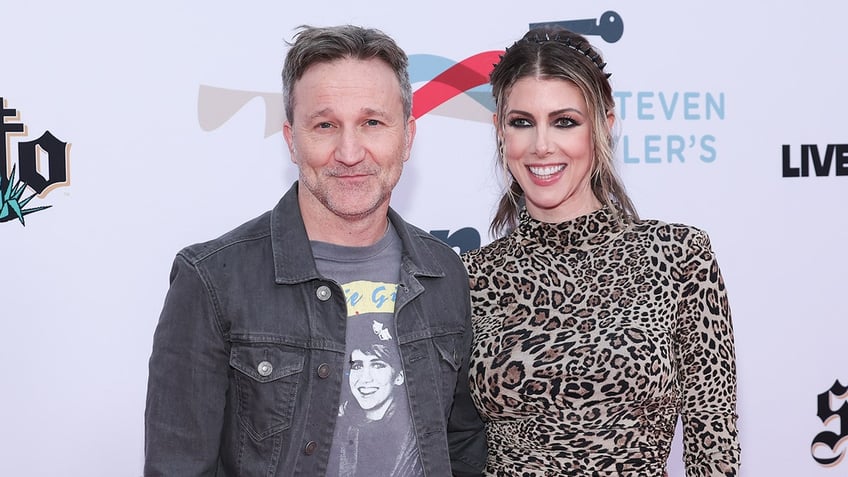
(373, 435)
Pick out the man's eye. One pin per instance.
(356, 365)
(372, 122)
(324, 125)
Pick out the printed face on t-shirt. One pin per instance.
(372, 382)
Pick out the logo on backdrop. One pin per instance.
(26, 176)
(464, 239)
(829, 447)
(459, 89)
(679, 108)
(815, 160)
(455, 89)
(665, 107)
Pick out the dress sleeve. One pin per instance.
(707, 364)
(187, 381)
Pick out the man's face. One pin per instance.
(348, 137)
(372, 381)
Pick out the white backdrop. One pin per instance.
(135, 89)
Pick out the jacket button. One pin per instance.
(310, 447)
(264, 369)
(323, 293)
(323, 370)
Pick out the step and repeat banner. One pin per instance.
(131, 129)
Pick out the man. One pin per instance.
(247, 374)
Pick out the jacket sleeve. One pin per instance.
(707, 365)
(187, 381)
(466, 433)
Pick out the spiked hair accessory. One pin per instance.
(580, 47)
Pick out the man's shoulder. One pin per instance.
(429, 239)
(433, 243)
(255, 229)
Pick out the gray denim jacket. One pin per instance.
(246, 368)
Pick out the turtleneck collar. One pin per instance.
(584, 232)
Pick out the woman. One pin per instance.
(594, 330)
(367, 424)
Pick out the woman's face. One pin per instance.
(547, 140)
(372, 382)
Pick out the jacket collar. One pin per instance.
(293, 261)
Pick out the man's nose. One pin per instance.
(350, 149)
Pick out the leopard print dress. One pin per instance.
(591, 339)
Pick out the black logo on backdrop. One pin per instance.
(827, 447)
(27, 174)
(831, 159)
(608, 26)
(465, 239)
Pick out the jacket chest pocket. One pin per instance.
(450, 353)
(266, 381)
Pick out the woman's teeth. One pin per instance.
(546, 171)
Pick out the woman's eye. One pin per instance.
(519, 123)
(565, 122)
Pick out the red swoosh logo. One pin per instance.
(468, 73)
